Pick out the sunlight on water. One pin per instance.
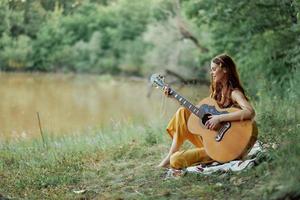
(75, 103)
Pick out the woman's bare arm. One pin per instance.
(246, 112)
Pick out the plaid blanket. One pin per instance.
(236, 165)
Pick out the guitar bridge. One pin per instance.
(222, 131)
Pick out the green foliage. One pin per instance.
(52, 44)
(97, 36)
(259, 35)
(90, 54)
(169, 50)
(13, 20)
(141, 37)
(17, 52)
(151, 138)
(57, 29)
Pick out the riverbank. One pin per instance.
(118, 162)
(69, 103)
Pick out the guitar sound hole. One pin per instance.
(205, 118)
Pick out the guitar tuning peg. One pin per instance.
(161, 77)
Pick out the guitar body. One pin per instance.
(232, 141)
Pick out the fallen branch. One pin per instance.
(183, 80)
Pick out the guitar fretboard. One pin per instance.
(185, 102)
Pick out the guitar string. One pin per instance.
(163, 107)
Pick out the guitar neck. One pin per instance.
(184, 102)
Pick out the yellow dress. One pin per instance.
(177, 128)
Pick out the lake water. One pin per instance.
(76, 103)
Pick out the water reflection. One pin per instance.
(74, 103)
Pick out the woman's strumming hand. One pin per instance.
(214, 122)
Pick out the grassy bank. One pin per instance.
(119, 162)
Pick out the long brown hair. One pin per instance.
(233, 83)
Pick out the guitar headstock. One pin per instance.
(158, 80)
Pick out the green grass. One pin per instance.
(119, 162)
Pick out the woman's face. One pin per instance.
(217, 73)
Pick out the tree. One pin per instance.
(259, 35)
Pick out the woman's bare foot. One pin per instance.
(165, 162)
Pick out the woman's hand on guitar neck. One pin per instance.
(167, 91)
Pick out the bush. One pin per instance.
(17, 52)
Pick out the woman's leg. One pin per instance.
(183, 159)
(177, 129)
(174, 147)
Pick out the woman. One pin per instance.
(227, 90)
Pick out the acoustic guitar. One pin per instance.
(230, 141)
